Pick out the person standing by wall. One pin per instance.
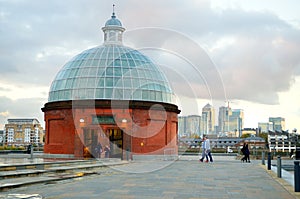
(98, 150)
(107, 151)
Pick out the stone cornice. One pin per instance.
(122, 104)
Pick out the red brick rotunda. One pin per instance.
(113, 95)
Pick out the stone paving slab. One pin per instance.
(167, 179)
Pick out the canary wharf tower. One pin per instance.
(113, 95)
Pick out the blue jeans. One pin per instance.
(209, 155)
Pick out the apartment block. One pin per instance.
(21, 132)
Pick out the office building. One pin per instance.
(182, 125)
(193, 123)
(277, 123)
(208, 119)
(236, 122)
(231, 121)
(265, 127)
(223, 119)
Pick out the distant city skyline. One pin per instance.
(227, 120)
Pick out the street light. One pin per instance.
(82, 122)
(297, 154)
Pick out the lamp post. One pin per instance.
(255, 154)
(296, 144)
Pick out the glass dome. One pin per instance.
(111, 72)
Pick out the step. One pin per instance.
(17, 178)
(41, 165)
(20, 173)
(23, 181)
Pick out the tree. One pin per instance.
(264, 135)
(246, 135)
(194, 135)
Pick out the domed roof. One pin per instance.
(111, 72)
(113, 21)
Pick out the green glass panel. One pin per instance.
(102, 62)
(117, 62)
(117, 71)
(92, 72)
(91, 82)
(109, 71)
(108, 93)
(127, 82)
(109, 82)
(124, 62)
(103, 119)
(145, 95)
(99, 93)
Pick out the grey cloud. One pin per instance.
(259, 67)
(35, 27)
(252, 68)
(262, 61)
(187, 66)
(21, 108)
(4, 89)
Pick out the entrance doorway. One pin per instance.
(90, 143)
(116, 142)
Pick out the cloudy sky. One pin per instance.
(244, 52)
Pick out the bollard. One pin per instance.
(279, 167)
(263, 158)
(296, 176)
(269, 160)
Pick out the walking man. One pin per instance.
(206, 151)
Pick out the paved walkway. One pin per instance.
(185, 178)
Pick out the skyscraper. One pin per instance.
(237, 122)
(193, 125)
(208, 119)
(223, 119)
(264, 127)
(231, 121)
(182, 126)
(278, 123)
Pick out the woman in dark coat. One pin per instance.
(246, 153)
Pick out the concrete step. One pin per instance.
(23, 181)
(39, 165)
(20, 173)
(58, 171)
(48, 163)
